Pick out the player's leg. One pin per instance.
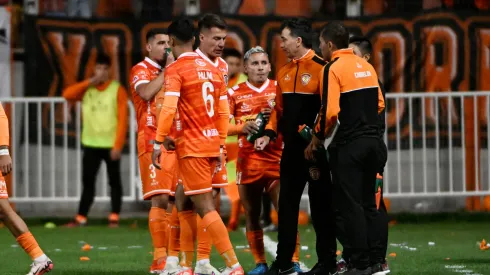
(196, 177)
(188, 228)
(172, 266)
(233, 195)
(114, 174)
(250, 184)
(90, 167)
(41, 263)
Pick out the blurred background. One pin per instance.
(432, 55)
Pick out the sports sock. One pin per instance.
(219, 235)
(174, 234)
(30, 245)
(203, 241)
(157, 224)
(256, 242)
(188, 228)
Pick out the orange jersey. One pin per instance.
(218, 63)
(246, 101)
(143, 73)
(198, 91)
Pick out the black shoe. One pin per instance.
(275, 269)
(321, 269)
(380, 269)
(355, 271)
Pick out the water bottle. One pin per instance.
(305, 132)
(260, 121)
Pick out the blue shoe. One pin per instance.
(297, 268)
(259, 269)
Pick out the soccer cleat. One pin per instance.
(113, 220)
(260, 268)
(297, 268)
(341, 266)
(233, 271)
(171, 268)
(275, 269)
(205, 269)
(270, 228)
(355, 271)
(156, 267)
(39, 268)
(79, 221)
(380, 269)
(185, 271)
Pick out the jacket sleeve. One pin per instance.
(122, 118)
(276, 114)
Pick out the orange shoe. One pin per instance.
(186, 271)
(157, 266)
(77, 222)
(113, 220)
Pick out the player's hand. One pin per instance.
(169, 144)
(155, 156)
(5, 164)
(250, 128)
(97, 79)
(261, 142)
(267, 113)
(312, 148)
(115, 154)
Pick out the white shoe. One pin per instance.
(41, 267)
(233, 271)
(171, 268)
(205, 269)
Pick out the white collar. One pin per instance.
(203, 56)
(153, 63)
(258, 90)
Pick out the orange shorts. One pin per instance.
(196, 174)
(155, 181)
(268, 177)
(220, 178)
(3, 188)
(175, 180)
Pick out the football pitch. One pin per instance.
(449, 247)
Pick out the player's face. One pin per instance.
(258, 67)
(234, 65)
(326, 48)
(358, 52)
(101, 71)
(289, 44)
(156, 47)
(212, 42)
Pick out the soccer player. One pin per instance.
(146, 81)
(256, 170)
(297, 104)
(42, 264)
(198, 91)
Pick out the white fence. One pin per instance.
(438, 147)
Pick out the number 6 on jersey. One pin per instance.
(207, 88)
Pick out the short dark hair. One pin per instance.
(363, 43)
(182, 29)
(231, 52)
(152, 33)
(300, 27)
(103, 59)
(336, 33)
(211, 20)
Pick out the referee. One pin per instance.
(351, 95)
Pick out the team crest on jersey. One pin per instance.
(245, 108)
(200, 62)
(226, 79)
(314, 173)
(305, 79)
(287, 78)
(271, 102)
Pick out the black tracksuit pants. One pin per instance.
(92, 157)
(354, 166)
(296, 171)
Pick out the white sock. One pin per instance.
(173, 259)
(41, 258)
(203, 261)
(235, 265)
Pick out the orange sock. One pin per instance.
(167, 228)
(30, 245)
(174, 234)
(256, 242)
(188, 232)
(203, 241)
(218, 233)
(158, 229)
(295, 258)
(235, 214)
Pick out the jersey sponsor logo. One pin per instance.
(200, 62)
(210, 132)
(223, 70)
(245, 108)
(248, 118)
(244, 96)
(358, 65)
(305, 79)
(362, 74)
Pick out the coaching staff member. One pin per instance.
(297, 103)
(351, 95)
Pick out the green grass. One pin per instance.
(453, 240)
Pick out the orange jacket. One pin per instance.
(350, 94)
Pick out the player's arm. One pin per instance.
(173, 84)
(223, 114)
(76, 91)
(122, 122)
(233, 128)
(271, 127)
(148, 89)
(5, 160)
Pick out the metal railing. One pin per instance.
(47, 154)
